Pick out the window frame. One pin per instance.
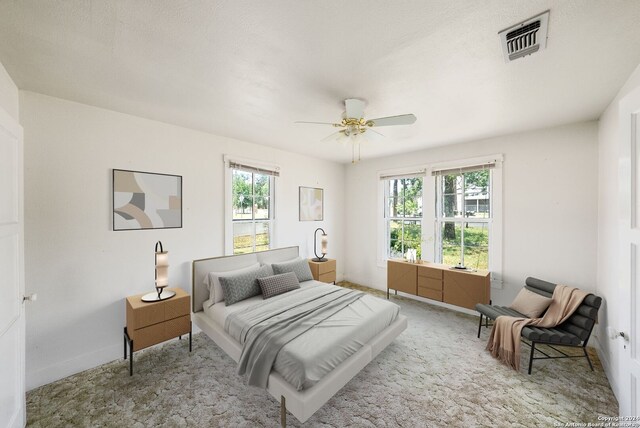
(228, 205)
(441, 219)
(494, 222)
(382, 220)
(401, 219)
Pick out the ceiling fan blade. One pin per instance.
(333, 137)
(403, 119)
(354, 108)
(318, 123)
(369, 136)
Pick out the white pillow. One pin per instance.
(213, 283)
(270, 263)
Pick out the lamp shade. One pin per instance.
(323, 243)
(162, 258)
(161, 276)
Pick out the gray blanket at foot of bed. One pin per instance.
(263, 329)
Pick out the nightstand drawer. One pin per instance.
(145, 337)
(144, 316)
(177, 327)
(327, 277)
(326, 267)
(176, 307)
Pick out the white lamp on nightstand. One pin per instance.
(162, 277)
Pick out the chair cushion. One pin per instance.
(530, 304)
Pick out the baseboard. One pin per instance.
(72, 366)
(606, 366)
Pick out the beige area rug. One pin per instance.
(436, 373)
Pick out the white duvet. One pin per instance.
(306, 359)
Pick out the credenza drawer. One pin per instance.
(433, 284)
(428, 272)
(430, 294)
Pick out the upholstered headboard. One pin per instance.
(201, 268)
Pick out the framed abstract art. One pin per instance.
(145, 200)
(311, 204)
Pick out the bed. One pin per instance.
(301, 383)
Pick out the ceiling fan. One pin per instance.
(356, 129)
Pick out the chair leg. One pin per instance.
(588, 359)
(480, 326)
(533, 348)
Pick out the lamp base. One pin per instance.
(320, 259)
(155, 297)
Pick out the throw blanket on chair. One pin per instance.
(504, 341)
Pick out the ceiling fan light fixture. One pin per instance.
(354, 126)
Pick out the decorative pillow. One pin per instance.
(530, 304)
(242, 286)
(278, 284)
(213, 283)
(299, 267)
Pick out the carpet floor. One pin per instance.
(436, 373)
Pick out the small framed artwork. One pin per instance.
(146, 200)
(311, 204)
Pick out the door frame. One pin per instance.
(629, 239)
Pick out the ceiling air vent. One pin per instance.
(525, 38)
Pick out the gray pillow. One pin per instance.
(299, 267)
(278, 284)
(243, 285)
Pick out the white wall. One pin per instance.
(8, 94)
(549, 199)
(81, 269)
(608, 243)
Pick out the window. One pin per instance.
(403, 215)
(464, 216)
(251, 208)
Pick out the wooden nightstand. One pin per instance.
(323, 271)
(155, 322)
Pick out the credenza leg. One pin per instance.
(190, 328)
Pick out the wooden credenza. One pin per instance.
(439, 282)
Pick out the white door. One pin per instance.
(12, 343)
(629, 185)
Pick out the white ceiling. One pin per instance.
(249, 69)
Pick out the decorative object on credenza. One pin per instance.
(323, 244)
(145, 200)
(411, 256)
(311, 204)
(162, 277)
